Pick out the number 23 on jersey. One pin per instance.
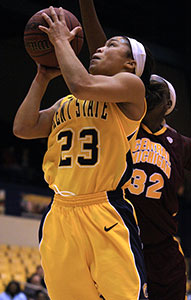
(89, 147)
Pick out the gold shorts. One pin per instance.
(89, 246)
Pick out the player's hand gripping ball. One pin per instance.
(37, 43)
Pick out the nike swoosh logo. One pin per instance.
(109, 228)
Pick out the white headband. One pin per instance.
(171, 90)
(139, 55)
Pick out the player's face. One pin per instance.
(159, 108)
(111, 58)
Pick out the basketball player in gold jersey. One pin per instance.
(89, 239)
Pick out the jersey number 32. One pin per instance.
(139, 179)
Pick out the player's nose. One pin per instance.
(100, 49)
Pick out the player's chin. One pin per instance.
(93, 69)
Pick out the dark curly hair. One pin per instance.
(8, 288)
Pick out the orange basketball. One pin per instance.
(37, 43)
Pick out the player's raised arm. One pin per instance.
(30, 122)
(95, 35)
(109, 78)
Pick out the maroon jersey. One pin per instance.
(159, 161)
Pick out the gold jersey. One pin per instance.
(89, 148)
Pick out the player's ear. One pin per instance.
(130, 65)
(169, 104)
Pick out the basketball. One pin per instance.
(37, 43)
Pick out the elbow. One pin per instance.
(19, 131)
(16, 131)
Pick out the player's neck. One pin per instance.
(154, 124)
(154, 117)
